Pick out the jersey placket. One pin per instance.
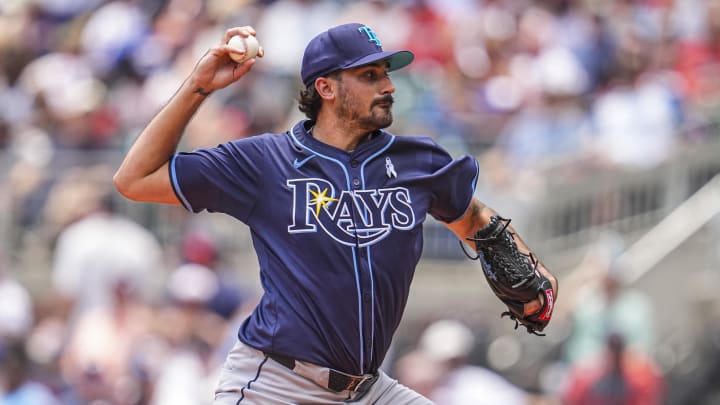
(364, 272)
(353, 170)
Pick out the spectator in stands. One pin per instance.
(637, 116)
(102, 342)
(16, 310)
(16, 381)
(608, 305)
(618, 376)
(200, 253)
(98, 246)
(193, 330)
(440, 369)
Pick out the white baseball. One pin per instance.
(249, 44)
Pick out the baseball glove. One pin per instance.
(513, 275)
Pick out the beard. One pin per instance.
(378, 116)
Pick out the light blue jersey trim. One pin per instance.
(372, 302)
(475, 179)
(176, 185)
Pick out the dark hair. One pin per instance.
(309, 101)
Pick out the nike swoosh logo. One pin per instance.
(298, 163)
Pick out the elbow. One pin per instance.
(123, 185)
(138, 186)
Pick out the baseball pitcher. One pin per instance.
(336, 207)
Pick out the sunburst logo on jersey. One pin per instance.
(321, 200)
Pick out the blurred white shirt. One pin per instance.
(16, 311)
(477, 386)
(99, 249)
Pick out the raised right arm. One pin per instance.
(143, 174)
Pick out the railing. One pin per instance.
(570, 215)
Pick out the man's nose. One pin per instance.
(388, 86)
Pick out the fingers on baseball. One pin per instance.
(227, 50)
(244, 31)
(242, 68)
(232, 50)
(240, 52)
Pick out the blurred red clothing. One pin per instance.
(631, 380)
(430, 37)
(696, 60)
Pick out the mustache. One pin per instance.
(388, 98)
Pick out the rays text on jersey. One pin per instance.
(353, 218)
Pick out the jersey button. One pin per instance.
(354, 163)
(356, 182)
(366, 297)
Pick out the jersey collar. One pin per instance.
(300, 131)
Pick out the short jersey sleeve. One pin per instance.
(453, 186)
(225, 179)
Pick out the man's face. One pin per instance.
(365, 97)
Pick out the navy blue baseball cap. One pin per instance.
(347, 46)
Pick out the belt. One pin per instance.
(337, 380)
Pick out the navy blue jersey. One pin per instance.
(337, 234)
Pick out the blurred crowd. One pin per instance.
(125, 320)
(534, 81)
(125, 317)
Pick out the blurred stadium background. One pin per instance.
(595, 123)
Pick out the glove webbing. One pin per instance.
(495, 235)
(502, 261)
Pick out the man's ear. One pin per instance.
(325, 87)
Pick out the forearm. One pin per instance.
(143, 175)
(158, 142)
(476, 217)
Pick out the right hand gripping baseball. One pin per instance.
(216, 69)
(514, 276)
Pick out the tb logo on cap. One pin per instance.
(372, 36)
